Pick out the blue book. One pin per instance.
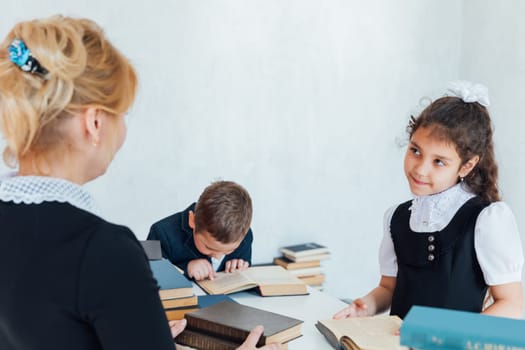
(429, 328)
(209, 300)
(171, 281)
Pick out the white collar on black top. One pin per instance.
(434, 212)
(38, 189)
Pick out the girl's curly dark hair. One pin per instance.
(468, 127)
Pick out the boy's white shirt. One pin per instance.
(496, 238)
(216, 263)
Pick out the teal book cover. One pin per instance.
(429, 328)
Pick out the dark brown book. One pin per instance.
(208, 342)
(270, 280)
(199, 340)
(233, 322)
(292, 265)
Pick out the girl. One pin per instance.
(69, 279)
(455, 240)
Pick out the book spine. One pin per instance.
(427, 339)
(204, 341)
(220, 330)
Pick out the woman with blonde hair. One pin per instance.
(68, 278)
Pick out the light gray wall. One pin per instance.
(302, 102)
(493, 51)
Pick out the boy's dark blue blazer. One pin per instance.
(176, 240)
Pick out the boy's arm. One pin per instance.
(159, 233)
(508, 300)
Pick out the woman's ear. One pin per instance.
(92, 119)
(468, 166)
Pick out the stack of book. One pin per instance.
(176, 291)
(225, 325)
(304, 261)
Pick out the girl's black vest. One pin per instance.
(438, 269)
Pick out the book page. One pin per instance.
(368, 333)
(271, 275)
(227, 283)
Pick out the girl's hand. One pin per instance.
(236, 265)
(357, 309)
(200, 269)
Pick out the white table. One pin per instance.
(309, 308)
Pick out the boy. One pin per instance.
(211, 235)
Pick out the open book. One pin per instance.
(270, 280)
(362, 333)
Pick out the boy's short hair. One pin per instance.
(224, 210)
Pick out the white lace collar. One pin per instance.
(434, 212)
(38, 189)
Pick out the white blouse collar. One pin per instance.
(38, 189)
(434, 212)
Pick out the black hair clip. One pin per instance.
(21, 56)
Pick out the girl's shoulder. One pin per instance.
(498, 244)
(497, 222)
(496, 211)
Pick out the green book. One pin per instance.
(431, 328)
(171, 281)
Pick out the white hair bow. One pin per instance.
(470, 92)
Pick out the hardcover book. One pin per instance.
(292, 265)
(304, 249)
(226, 325)
(152, 249)
(270, 280)
(309, 271)
(178, 313)
(362, 333)
(433, 328)
(314, 280)
(179, 302)
(171, 281)
(305, 258)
